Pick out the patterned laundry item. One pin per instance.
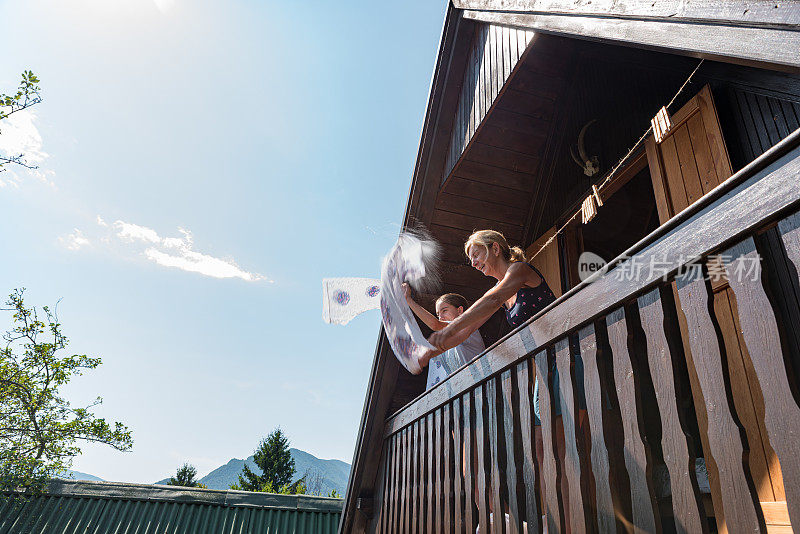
(344, 298)
(404, 263)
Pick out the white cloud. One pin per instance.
(176, 252)
(179, 253)
(134, 232)
(19, 135)
(189, 260)
(74, 241)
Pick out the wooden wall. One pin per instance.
(623, 88)
(754, 122)
(496, 50)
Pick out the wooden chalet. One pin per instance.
(690, 375)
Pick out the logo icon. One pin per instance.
(588, 264)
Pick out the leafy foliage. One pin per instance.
(39, 429)
(28, 94)
(277, 467)
(185, 476)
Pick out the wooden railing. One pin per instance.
(465, 451)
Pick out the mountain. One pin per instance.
(69, 474)
(333, 474)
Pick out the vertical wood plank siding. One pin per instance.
(495, 52)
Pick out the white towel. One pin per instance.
(404, 263)
(344, 298)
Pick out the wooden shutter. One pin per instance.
(547, 260)
(690, 161)
(692, 158)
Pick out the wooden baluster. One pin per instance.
(447, 445)
(459, 461)
(725, 438)
(760, 332)
(637, 454)
(530, 466)
(383, 505)
(396, 484)
(510, 400)
(469, 463)
(430, 457)
(406, 504)
(436, 509)
(377, 519)
(480, 433)
(577, 478)
(606, 516)
(416, 479)
(550, 473)
(686, 504)
(494, 455)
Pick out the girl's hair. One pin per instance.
(485, 238)
(453, 299)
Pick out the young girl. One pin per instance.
(448, 307)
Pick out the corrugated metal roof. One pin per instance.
(111, 508)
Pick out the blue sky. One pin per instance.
(203, 165)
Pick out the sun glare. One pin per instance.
(164, 5)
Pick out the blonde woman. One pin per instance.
(520, 291)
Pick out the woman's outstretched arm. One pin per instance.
(454, 333)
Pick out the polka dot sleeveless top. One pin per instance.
(530, 300)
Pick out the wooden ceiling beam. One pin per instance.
(481, 209)
(521, 102)
(465, 187)
(494, 175)
(780, 15)
(502, 157)
(519, 123)
(768, 41)
(469, 223)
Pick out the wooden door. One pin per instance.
(546, 260)
(688, 163)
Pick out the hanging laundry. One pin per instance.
(344, 298)
(406, 262)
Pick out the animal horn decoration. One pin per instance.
(590, 166)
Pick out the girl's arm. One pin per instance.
(427, 317)
(456, 332)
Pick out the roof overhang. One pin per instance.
(761, 34)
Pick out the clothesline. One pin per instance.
(613, 171)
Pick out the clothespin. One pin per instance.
(596, 193)
(661, 125)
(590, 205)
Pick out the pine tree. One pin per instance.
(185, 477)
(274, 460)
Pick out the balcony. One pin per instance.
(656, 378)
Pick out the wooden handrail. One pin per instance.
(757, 194)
